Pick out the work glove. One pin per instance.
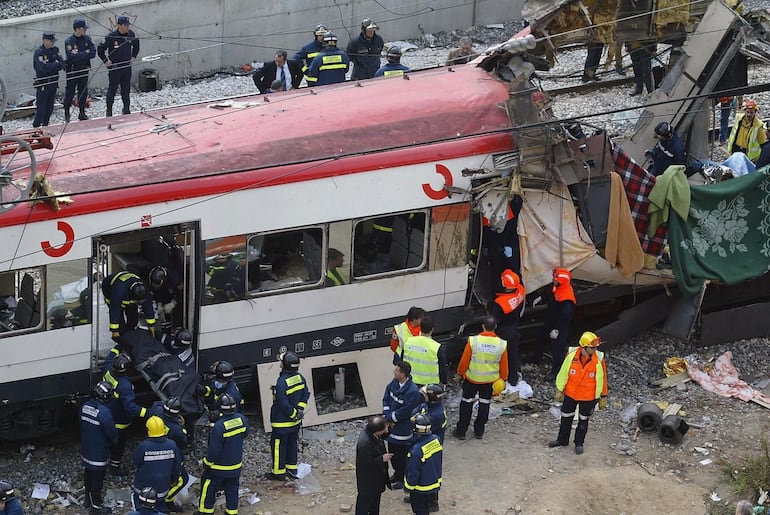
(115, 336)
(507, 251)
(169, 307)
(554, 334)
(300, 414)
(558, 396)
(603, 403)
(213, 416)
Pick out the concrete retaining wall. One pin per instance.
(204, 35)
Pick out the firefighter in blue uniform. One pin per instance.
(224, 458)
(423, 466)
(158, 464)
(290, 395)
(433, 407)
(79, 50)
(124, 293)
(118, 51)
(221, 382)
(224, 277)
(47, 62)
(393, 67)
(148, 502)
(9, 503)
(123, 406)
(330, 66)
(309, 52)
(399, 401)
(364, 51)
(170, 411)
(97, 434)
(179, 345)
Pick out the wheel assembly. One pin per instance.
(648, 417)
(672, 430)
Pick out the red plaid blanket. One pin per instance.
(638, 184)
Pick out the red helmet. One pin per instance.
(510, 279)
(750, 104)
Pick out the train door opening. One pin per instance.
(173, 249)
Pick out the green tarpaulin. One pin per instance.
(726, 236)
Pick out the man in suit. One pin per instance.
(461, 55)
(282, 69)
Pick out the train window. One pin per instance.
(68, 294)
(20, 303)
(225, 269)
(389, 244)
(285, 259)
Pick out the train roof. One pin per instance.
(284, 137)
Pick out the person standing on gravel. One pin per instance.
(158, 464)
(561, 306)
(118, 51)
(582, 381)
(9, 503)
(506, 308)
(364, 51)
(330, 66)
(400, 399)
(47, 62)
(484, 360)
(97, 434)
(406, 329)
(79, 50)
(307, 53)
(290, 395)
(371, 466)
(426, 356)
(424, 467)
(748, 134)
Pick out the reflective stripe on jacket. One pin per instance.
(486, 351)
(225, 451)
(424, 464)
(583, 382)
(421, 352)
(753, 148)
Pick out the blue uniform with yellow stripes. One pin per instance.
(328, 67)
(223, 462)
(218, 388)
(391, 69)
(124, 314)
(97, 434)
(12, 507)
(423, 472)
(437, 415)
(290, 397)
(159, 465)
(124, 408)
(307, 53)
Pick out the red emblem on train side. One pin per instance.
(69, 240)
(441, 193)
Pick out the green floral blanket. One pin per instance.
(726, 236)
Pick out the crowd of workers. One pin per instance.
(319, 62)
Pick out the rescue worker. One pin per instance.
(79, 50)
(223, 273)
(158, 464)
(406, 329)
(164, 294)
(364, 51)
(224, 458)
(484, 360)
(124, 293)
(179, 345)
(123, 406)
(330, 66)
(748, 132)
(118, 51)
(222, 374)
(97, 435)
(433, 407)
(311, 50)
(426, 356)
(371, 466)
(393, 67)
(335, 261)
(290, 395)
(9, 503)
(582, 381)
(561, 306)
(47, 62)
(642, 53)
(423, 468)
(148, 502)
(401, 398)
(668, 151)
(507, 308)
(170, 411)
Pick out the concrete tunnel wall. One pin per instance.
(211, 34)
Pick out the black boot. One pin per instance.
(66, 116)
(82, 114)
(565, 428)
(635, 92)
(126, 109)
(109, 111)
(580, 433)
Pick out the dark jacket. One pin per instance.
(391, 69)
(289, 396)
(307, 53)
(667, 153)
(397, 406)
(97, 433)
(158, 464)
(217, 389)
(329, 67)
(265, 76)
(437, 415)
(423, 465)
(12, 507)
(365, 56)
(117, 292)
(47, 63)
(371, 471)
(79, 52)
(118, 48)
(176, 430)
(224, 456)
(123, 404)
